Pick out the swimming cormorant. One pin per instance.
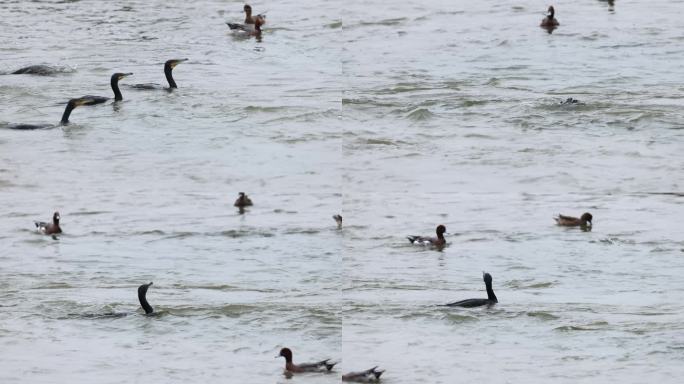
(142, 292)
(169, 65)
(490, 300)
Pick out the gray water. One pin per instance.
(400, 116)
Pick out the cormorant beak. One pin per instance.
(125, 75)
(173, 65)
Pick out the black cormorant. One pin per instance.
(168, 69)
(490, 300)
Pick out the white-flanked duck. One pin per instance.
(438, 241)
(584, 221)
(470, 303)
(368, 376)
(251, 23)
(549, 22)
(50, 228)
(290, 367)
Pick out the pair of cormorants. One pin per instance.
(94, 100)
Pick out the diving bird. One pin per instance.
(568, 221)
(71, 105)
(49, 228)
(169, 65)
(549, 21)
(142, 293)
(368, 376)
(470, 303)
(38, 70)
(242, 201)
(438, 241)
(323, 365)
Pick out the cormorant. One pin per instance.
(169, 65)
(490, 300)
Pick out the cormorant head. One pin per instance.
(487, 278)
(586, 218)
(550, 12)
(118, 76)
(286, 353)
(171, 64)
(440, 230)
(247, 8)
(143, 288)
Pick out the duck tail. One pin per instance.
(328, 365)
(412, 239)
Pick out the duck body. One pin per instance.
(371, 375)
(472, 303)
(243, 201)
(50, 228)
(569, 221)
(251, 24)
(320, 366)
(438, 241)
(549, 21)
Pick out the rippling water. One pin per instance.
(399, 116)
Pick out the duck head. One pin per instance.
(286, 353)
(587, 218)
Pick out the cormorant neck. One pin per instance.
(115, 88)
(143, 303)
(490, 294)
(67, 111)
(169, 76)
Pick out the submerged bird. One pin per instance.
(368, 376)
(570, 101)
(470, 303)
(39, 70)
(438, 241)
(338, 220)
(142, 293)
(549, 21)
(169, 65)
(323, 365)
(71, 105)
(50, 228)
(568, 221)
(250, 23)
(242, 201)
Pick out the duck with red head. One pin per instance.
(489, 301)
(50, 228)
(550, 22)
(252, 24)
(290, 367)
(585, 221)
(438, 241)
